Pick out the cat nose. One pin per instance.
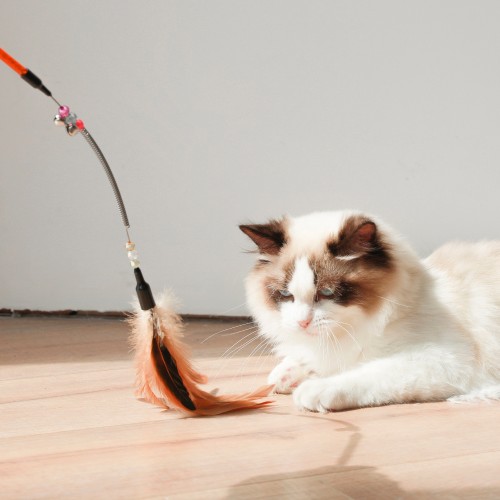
(305, 323)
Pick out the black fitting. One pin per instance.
(35, 82)
(144, 293)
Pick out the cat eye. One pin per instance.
(282, 295)
(343, 293)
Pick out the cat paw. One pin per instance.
(287, 376)
(320, 395)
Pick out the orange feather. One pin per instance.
(161, 358)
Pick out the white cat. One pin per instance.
(359, 320)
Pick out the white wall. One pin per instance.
(220, 112)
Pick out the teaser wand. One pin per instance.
(74, 125)
(164, 375)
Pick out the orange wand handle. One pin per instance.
(25, 73)
(12, 63)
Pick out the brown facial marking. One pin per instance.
(269, 237)
(271, 290)
(361, 281)
(277, 279)
(359, 236)
(338, 276)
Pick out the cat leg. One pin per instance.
(401, 378)
(489, 393)
(288, 375)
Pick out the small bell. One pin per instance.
(58, 121)
(72, 129)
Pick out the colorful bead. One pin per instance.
(70, 119)
(63, 111)
(132, 254)
(79, 124)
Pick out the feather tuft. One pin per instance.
(164, 375)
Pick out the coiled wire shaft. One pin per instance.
(119, 200)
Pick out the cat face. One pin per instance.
(316, 271)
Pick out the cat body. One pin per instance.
(357, 319)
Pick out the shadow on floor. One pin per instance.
(342, 482)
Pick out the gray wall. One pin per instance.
(220, 112)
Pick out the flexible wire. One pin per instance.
(119, 200)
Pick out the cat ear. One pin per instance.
(357, 237)
(270, 237)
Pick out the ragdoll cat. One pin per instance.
(359, 320)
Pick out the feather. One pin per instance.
(165, 376)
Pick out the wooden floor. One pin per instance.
(70, 427)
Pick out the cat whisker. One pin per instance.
(336, 322)
(230, 351)
(261, 346)
(232, 309)
(353, 339)
(341, 324)
(235, 349)
(241, 347)
(263, 342)
(324, 340)
(266, 347)
(337, 348)
(229, 329)
(393, 301)
(324, 343)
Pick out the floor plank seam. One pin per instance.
(126, 369)
(71, 394)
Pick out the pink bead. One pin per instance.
(63, 111)
(80, 124)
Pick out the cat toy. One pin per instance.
(164, 375)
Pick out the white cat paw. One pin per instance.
(287, 376)
(321, 395)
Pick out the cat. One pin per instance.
(358, 320)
